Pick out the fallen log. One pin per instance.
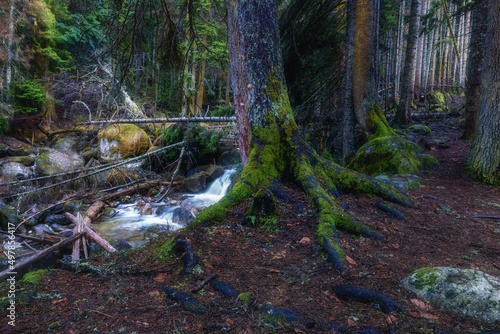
(166, 120)
(91, 234)
(38, 256)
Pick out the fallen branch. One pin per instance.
(201, 284)
(147, 184)
(28, 237)
(40, 255)
(91, 234)
(167, 120)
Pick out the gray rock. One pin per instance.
(57, 219)
(402, 181)
(55, 162)
(195, 183)
(71, 144)
(27, 160)
(465, 292)
(182, 216)
(57, 228)
(42, 229)
(5, 151)
(154, 231)
(17, 170)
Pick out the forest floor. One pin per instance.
(284, 268)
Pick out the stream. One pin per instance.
(136, 229)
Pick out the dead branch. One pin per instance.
(147, 184)
(91, 234)
(201, 284)
(38, 256)
(486, 216)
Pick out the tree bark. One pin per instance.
(474, 66)
(10, 54)
(270, 141)
(365, 78)
(484, 159)
(404, 106)
(348, 140)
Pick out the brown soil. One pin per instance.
(285, 269)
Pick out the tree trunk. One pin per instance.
(348, 140)
(474, 66)
(484, 159)
(399, 51)
(10, 54)
(365, 76)
(271, 145)
(404, 106)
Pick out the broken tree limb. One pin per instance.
(38, 256)
(91, 234)
(167, 120)
(201, 284)
(28, 237)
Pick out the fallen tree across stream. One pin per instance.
(166, 120)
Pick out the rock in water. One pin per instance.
(465, 292)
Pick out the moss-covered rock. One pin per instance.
(419, 129)
(8, 217)
(465, 292)
(122, 141)
(55, 162)
(391, 155)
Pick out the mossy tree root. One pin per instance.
(279, 152)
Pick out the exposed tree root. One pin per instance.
(279, 152)
(350, 292)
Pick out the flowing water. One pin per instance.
(128, 223)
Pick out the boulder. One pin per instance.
(465, 292)
(213, 172)
(122, 141)
(391, 155)
(16, 147)
(26, 160)
(17, 170)
(402, 181)
(71, 144)
(55, 162)
(195, 183)
(182, 216)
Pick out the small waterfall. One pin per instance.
(215, 191)
(130, 225)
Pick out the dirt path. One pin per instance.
(284, 268)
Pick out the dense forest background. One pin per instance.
(73, 60)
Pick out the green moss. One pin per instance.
(424, 277)
(436, 97)
(165, 251)
(420, 129)
(377, 123)
(391, 155)
(34, 277)
(245, 298)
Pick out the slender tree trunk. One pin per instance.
(349, 118)
(399, 51)
(484, 159)
(404, 106)
(10, 44)
(475, 66)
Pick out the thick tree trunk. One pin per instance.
(365, 77)
(484, 159)
(270, 142)
(474, 66)
(404, 106)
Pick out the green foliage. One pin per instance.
(29, 96)
(4, 125)
(223, 112)
(202, 141)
